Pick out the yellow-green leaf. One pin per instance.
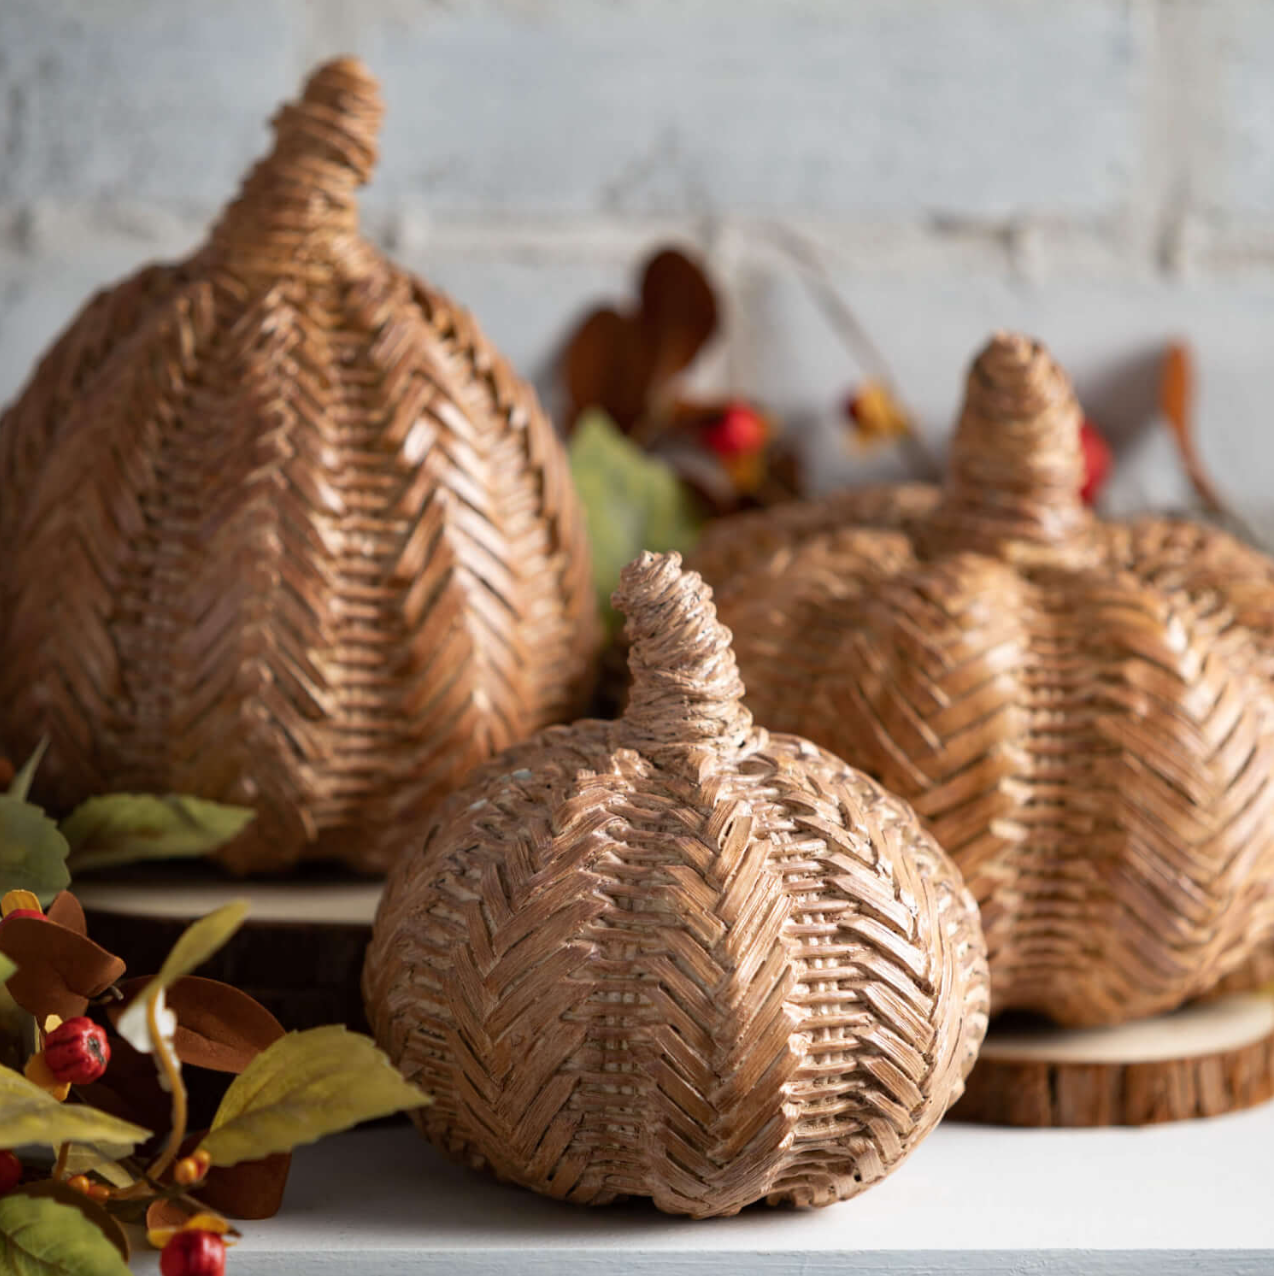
(65, 1194)
(304, 1086)
(20, 785)
(201, 939)
(32, 850)
(198, 942)
(29, 1115)
(7, 967)
(121, 828)
(632, 501)
(86, 1160)
(40, 1236)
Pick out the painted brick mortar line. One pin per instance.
(1033, 249)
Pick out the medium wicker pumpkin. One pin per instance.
(674, 956)
(1082, 712)
(281, 527)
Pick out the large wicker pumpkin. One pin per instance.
(676, 957)
(281, 528)
(1082, 712)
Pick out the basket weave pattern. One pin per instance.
(1082, 712)
(677, 957)
(282, 528)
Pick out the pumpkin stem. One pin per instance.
(1017, 466)
(686, 691)
(324, 150)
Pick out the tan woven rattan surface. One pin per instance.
(282, 528)
(675, 956)
(1082, 712)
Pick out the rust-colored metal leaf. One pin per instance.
(218, 1026)
(59, 970)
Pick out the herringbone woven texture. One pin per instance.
(1082, 712)
(282, 528)
(674, 956)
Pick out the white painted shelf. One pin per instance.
(1193, 1197)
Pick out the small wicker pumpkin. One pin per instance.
(674, 956)
(1082, 712)
(281, 528)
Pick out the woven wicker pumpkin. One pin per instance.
(281, 528)
(1082, 712)
(674, 956)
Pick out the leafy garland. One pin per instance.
(654, 461)
(97, 1077)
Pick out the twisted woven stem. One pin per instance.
(324, 150)
(686, 693)
(1017, 465)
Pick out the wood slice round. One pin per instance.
(1205, 1059)
(300, 952)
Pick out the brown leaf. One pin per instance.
(1176, 402)
(251, 1189)
(66, 911)
(622, 362)
(91, 1210)
(607, 365)
(6, 773)
(678, 313)
(161, 1214)
(218, 1027)
(59, 971)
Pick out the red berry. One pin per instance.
(77, 1051)
(26, 912)
(1097, 461)
(10, 1172)
(194, 1253)
(739, 430)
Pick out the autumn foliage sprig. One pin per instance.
(98, 1082)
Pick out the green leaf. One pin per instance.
(29, 1115)
(32, 850)
(121, 828)
(632, 501)
(7, 967)
(40, 1236)
(20, 786)
(304, 1086)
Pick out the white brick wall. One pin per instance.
(1099, 171)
